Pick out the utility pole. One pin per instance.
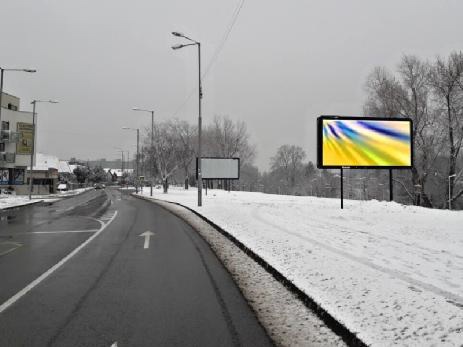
(152, 146)
(32, 150)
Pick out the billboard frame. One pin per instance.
(372, 167)
(220, 178)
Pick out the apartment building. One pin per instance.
(16, 139)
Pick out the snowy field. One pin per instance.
(9, 201)
(393, 274)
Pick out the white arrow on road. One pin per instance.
(147, 234)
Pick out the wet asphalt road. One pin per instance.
(174, 292)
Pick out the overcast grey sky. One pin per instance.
(285, 63)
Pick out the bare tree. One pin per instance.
(186, 135)
(226, 138)
(408, 96)
(166, 149)
(445, 79)
(383, 90)
(415, 104)
(288, 162)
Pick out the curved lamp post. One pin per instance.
(152, 144)
(200, 96)
(138, 144)
(2, 70)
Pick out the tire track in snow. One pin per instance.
(451, 297)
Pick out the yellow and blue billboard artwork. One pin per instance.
(367, 143)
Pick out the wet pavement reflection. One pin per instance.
(76, 213)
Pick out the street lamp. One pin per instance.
(152, 144)
(200, 96)
(138, 154)
(34, 102)
(2, 70)
(122, 158)
(450, 196)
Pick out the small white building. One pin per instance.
(44, 175)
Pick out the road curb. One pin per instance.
(350, 338)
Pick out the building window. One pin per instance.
(5, 125)
(12, 107)
(2, 147)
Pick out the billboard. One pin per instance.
(219, 168)
(26, 138)
(364, 142)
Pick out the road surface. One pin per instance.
(144, 278)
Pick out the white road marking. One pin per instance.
(44, 276)
(114, 344)
(147, 234)
(12, 245)
(63, 231)
(96, 220)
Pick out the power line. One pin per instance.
(224, 38)
(216, 54)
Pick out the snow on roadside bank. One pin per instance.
(10, 201)
(390, 273)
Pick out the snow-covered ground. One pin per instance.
(63, 194)
(391, 273)
(9, 201)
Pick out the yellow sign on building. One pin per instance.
(26, 133)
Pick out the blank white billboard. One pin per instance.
(220, 168)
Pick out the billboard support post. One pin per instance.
(342, 190)
(391, 188)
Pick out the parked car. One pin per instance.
(62, 187)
